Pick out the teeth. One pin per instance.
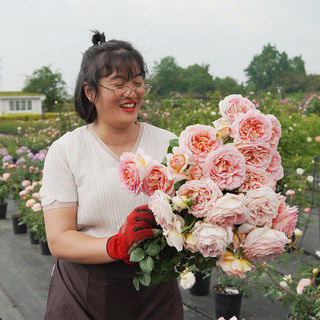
(131, 105)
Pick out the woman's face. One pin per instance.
(113, 110)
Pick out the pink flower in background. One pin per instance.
(276, 131)
(177, 163)
(157, 179)
(211, 240)
(228, 210)
(194, 172)
(200, 140)
(286, 220)
(275, 168)
(202, 193)
(256, 155)
(226, 167)
(234, 266)
(25, 183)
(290, 193)
(303, 283)
(307, 210)
(6, 176)
(234, 105)
(263, 205)
(263, 243)
(252, 127)
(256, 178)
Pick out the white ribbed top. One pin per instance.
(79, 167)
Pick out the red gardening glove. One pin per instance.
(139, 225)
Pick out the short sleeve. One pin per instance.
(58, 182)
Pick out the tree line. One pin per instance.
(271, 70)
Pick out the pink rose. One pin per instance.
(275, 168)
(202, 193)
(256, 178)
(157, 179)
(177, 163)
(263, 243)
(263, 205)
(200, 140)
(211, 240)
(286, 219)
(233, 266)
(252, 127)
(256, 155)
(234, 105)
(276, 131)
(228, 210)
(162, 211)
(173, 233)
(131, 171)
(189, 243)
(303, 283)
(6, 176)
(290, 193)
(226, 167)
(194, 172)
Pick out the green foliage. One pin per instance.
(50, 83)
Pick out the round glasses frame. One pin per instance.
(125, 94)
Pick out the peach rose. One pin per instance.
(194, 172)
(157, 179)
(286, 220)
(263, 205)
(233, 266)
(234, 105)
(177, 163)
(228, 210)
(252, 127)
(256, 155)
(200, 140)
(276, 131)
(189, 243)
(173, 233)
(275, 168)
(202, 193)
(6, 176)
(226, 167)
(263, 243)
(211, 240)
(256, 178)
(303, 283)
(223, 127)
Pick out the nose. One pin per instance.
(132, 93)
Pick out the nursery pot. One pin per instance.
(33, 238)
(227, 305)
(44, 248)
(3, 211)
(18, 229)
(201, 286)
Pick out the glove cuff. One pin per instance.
(114, 248)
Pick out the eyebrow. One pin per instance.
(119, 76)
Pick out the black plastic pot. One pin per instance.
(18, 229)
(44, 248)
(201, 286)
(33, 238)
(227, 305)
(3, 211)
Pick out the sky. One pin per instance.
(226, 34)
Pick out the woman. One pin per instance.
(84, 204)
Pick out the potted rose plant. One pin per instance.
(4, 194)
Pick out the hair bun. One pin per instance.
(98, 37)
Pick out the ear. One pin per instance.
(88, 92)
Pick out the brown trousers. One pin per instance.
(83, 292)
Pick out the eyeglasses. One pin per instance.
(123, 92)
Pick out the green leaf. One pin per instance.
(146, 265)
(153, 249)
(136, 283)
(137, 255)
(179, 184)
(172, 143)
(166, 265)
(145, 279)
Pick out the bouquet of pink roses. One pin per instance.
(213, 196)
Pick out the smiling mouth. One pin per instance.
(128, 106)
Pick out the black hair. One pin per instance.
(101, 60)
